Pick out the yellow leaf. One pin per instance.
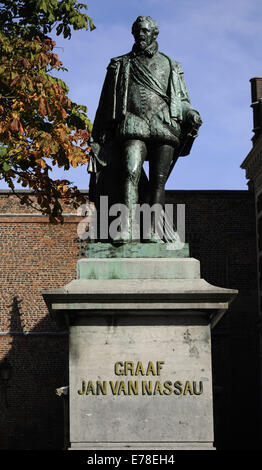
(14, 105)
(41, 162)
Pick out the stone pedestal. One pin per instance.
(140, 350)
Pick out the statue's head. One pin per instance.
(145, 31)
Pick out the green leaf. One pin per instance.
(59, 29)
(3, 150)
(91, 24)
(51, 17)
(41, 5)
(2, 69)
(6, 167)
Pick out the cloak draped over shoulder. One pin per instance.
(113, 101)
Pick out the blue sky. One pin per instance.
(218, 43)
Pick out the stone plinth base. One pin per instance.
(140, 379)
(140, 352)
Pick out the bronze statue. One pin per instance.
(144, 113)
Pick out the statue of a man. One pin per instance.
(144, 113)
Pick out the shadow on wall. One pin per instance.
(31, 412)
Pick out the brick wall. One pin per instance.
(35, 256)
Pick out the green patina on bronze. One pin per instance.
(136, 250)
(144, 113)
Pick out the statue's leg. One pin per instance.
(133, 156)
(159, 164)
(161, 157)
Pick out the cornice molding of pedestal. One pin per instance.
(139, 297)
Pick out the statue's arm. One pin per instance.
(189, 114)
(181, 109)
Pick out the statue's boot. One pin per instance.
(153, 237)
(153, 233)
(130, 230)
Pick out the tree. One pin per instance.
(40, 127)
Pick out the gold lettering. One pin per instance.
(117, 365)
(122, 388)
(101, 387)
(139, 369)
(114, 387)
(133, 387)
(146, 387)
(168, 386)
(150, 369)
(188, 388)
(159, 366)
(81, 392)
(90, 388)
(158, 388)
(178, 387)
(129, 367)
(200, 391)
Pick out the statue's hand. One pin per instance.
(193, 118)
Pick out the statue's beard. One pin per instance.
(142, 44)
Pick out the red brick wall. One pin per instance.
(35, 256)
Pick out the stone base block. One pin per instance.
(140, 349)
(140, 382)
